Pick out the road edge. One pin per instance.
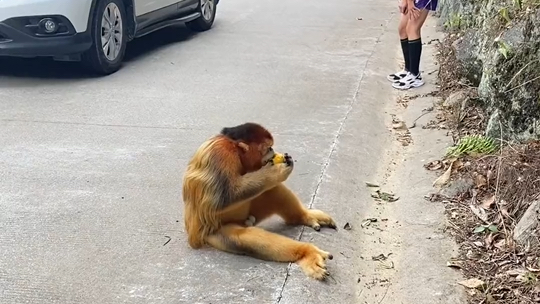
(407, 253)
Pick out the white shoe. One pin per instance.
(409, 81)
(397, 76)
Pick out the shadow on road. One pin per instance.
(46, 68)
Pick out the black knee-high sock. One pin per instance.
(415, 52)
(406, 56)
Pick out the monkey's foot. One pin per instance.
(251, 220)
(313, 263)
(317, 218)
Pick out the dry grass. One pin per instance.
(450, 73)
(503, 187)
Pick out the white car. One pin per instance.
(93, 31)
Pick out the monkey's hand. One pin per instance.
(281, 170)
(278, 172)
(252, 184)
(313, 263)
(316, 219)
(282, 158)
(284, 171)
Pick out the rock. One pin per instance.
(468, 52)
(502, 60)
(493, 128)
(457, 187)
(457, 100)
(527, 229)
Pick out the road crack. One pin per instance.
(334, 146)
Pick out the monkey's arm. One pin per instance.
(246, 187)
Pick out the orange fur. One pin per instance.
(227, 181)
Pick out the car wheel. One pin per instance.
(207, 8)
(108, 30)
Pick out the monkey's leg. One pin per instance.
(283, 202)
(265, 245)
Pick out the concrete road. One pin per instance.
(90, 168)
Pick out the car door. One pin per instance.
(147, 6)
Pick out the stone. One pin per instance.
(527, 229)
(458, 187)
(457, 100)
(502, 61)
(467, 50)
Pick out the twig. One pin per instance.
(384, 296)
(510, 145)
(428, 110)
(497, 187)
(167, 242)
(519, 72)
(519, 86)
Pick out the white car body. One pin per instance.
(77, 11)
(80, 30)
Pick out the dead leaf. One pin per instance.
(490, 299)
(489, 240)
(480, 181)
(533, 269)
(500, 244)
(472, 283)
(523, 277)
(516, 272)
(479, 212)
(454, 264)
(372, 185)
(443, 179)
(399, 125)
(488, 201)
(380, 257)
(458, 164)
(434, 165)
(389, 197)
(368, 221)
(479, 244)
(504, 211)
(386, 266)
(489, 175)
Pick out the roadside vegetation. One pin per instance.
(488, 181)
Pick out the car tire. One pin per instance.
(207, 9)
(107, 58)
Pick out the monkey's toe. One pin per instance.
(313, 263)
(317, 219)
(326, 255)
(316, 270)
(251, 220)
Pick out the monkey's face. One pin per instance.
(266, 150)
(265, 153)
(255, 155)
(268, 155)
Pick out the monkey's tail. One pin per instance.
(200, 222)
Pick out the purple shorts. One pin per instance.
(430, 5)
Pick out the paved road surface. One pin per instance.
(90, 168)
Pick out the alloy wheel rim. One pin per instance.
(207, 9)
(111, 31)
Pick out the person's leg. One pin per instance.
(402, 30)
(414, 31)
(414, 27)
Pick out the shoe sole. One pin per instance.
(393, 80)
(411, 86)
